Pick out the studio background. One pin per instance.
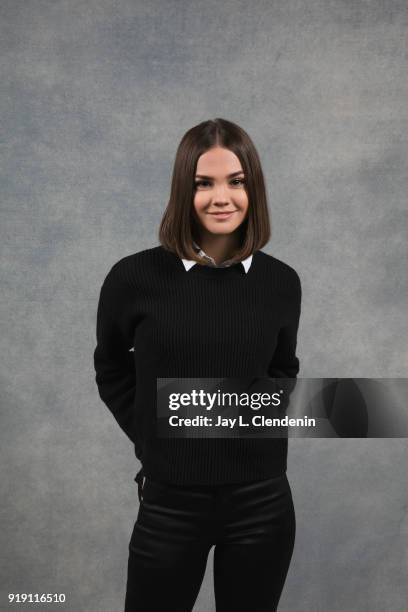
(96, 96)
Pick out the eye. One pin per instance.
(235, 182)
(199, 183)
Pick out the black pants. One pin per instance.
(252, 527)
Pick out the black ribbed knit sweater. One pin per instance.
(202, 323)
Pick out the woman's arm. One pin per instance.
(113, 359)
(285, 363)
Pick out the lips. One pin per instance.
(222, 214)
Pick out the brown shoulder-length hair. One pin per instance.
(178, 227)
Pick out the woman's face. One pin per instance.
(220, 199)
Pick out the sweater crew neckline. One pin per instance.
(233, 272)
(224, 273)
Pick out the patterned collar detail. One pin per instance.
(189, 263)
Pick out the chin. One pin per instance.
(224, 229)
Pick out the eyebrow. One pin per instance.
(229, 175)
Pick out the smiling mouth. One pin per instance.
(223, 214)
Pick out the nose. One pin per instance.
(220, 205)
(221, 197)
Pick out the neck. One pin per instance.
(219, 247)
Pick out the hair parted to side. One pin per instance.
(178, 228)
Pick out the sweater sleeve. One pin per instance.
(113, 357)
(285, 363)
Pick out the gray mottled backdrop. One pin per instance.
(95, 97)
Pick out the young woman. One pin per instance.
(205, 303)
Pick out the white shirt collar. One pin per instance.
(189, 263)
